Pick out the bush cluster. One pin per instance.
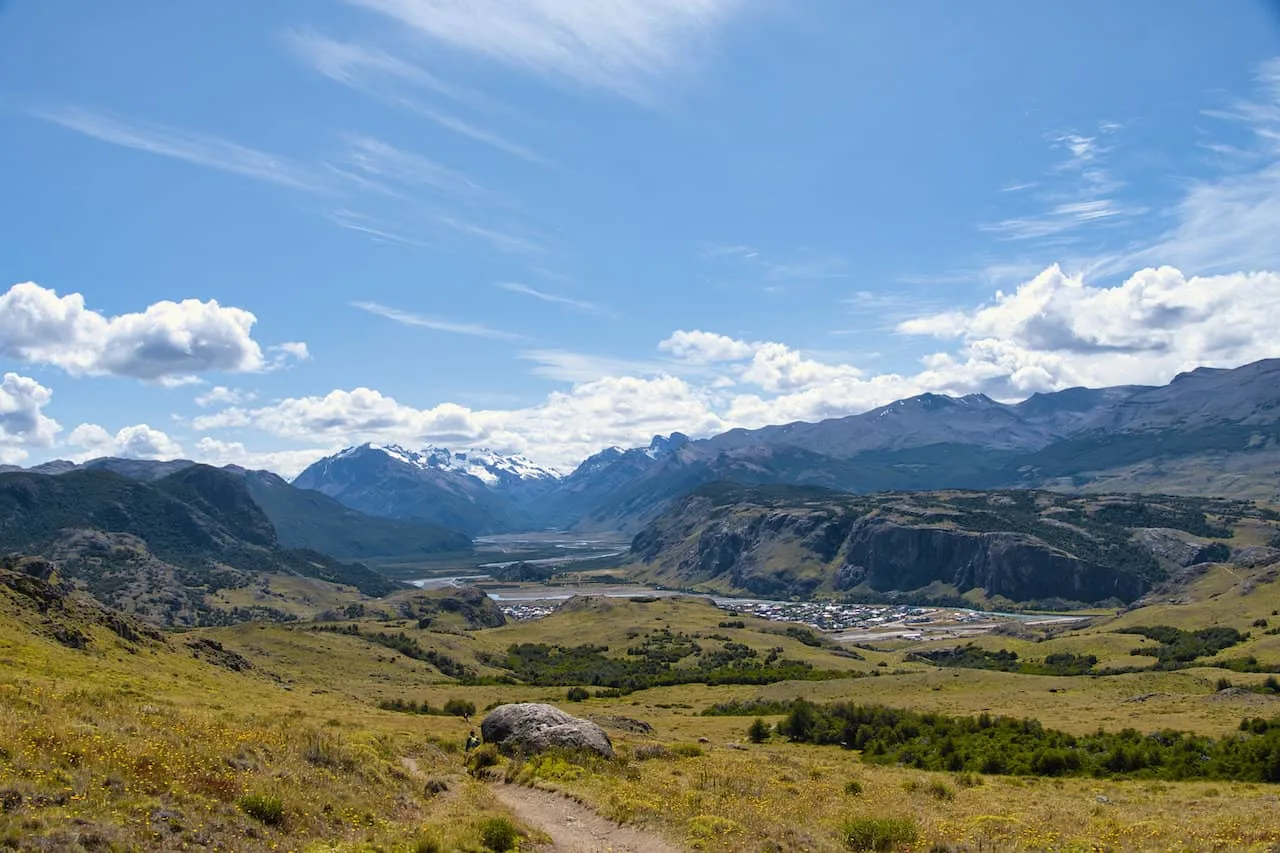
(970, 656)
(1004, 745)
(409, 647)
(663, 658)
(1182, 647)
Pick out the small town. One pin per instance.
(860, 621)
(832, 616)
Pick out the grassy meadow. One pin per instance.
(271, 736)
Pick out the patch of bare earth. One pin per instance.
(574, 828)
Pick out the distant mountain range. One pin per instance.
(173, 540)
(1209, 432)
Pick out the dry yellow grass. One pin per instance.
(793, 797)
(136, 746)
(143, 746)
(298, 596)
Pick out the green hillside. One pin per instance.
(159, 549)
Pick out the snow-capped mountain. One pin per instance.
(1129, 437)
(473, 490)
(487, 466)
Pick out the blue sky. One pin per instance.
(256, 232)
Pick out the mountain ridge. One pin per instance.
(1177, 437)
(162, 548)
(1023, 546)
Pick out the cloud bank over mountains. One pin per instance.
(1054, 331)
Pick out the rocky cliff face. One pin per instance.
(886, 555)
(1024, 546)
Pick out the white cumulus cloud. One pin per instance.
(138, 441)
(286, 463)
(166, 342)
(705, 347)
(1054, 331)
(562, 430)
(1057, 330)
(23, 423)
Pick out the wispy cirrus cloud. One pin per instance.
(370, 168)
(624, 47)
(503, 241)
(201, 149)
(479, 134)
(1227, 220)
(387, 163)
(553, 298)
(1077, 191)
(396, 82)
(567, 366)
(372, 228)
(776, 271)
(358, 65)
(438, 324)
(221, 395)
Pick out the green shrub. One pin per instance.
(759, 731)
(939, 790)
(499, 834)
(267, 808)
(324, 750)
(686, 750)
(577, 694)
(485, 755)
(879, 833)
(459, 708)
(853, 788)
(427, 844)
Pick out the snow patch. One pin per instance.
(485, 465)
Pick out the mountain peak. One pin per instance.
(487, 466)
(662, 445)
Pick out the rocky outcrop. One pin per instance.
(472, 604)
(534, 727)
(1176, 546)
(885, 555)
(1025, 546)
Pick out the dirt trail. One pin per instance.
(573, 827)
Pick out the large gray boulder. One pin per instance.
(534, 727)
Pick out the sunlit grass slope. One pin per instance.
(112, 737)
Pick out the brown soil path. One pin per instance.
(573, 827)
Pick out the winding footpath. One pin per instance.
(574, 828)
(571, 826)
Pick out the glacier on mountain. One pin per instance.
(487, 466)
